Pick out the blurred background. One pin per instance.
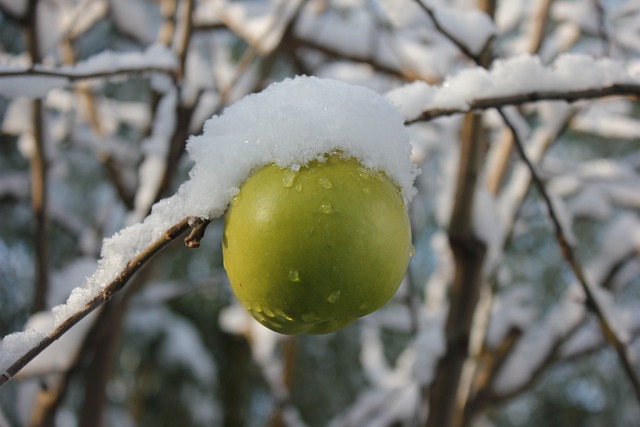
(80, 161)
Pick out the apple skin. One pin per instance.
(310, 251)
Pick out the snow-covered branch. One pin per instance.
(517, 81)
(23, 347)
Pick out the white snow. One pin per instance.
(520, 74)
(289, 124)
(28, 86)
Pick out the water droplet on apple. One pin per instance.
(310, 317)
(333, 296)
(325, 207)
(269, 312)
(412, 251)
(259, 317)
(236, 199)
(288, 178)
(298, 187)
(294, 275)
(325, 183)
(282, 315)
(365, 190)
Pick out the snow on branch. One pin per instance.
(19, 348)
(38, 80)
(516, 81)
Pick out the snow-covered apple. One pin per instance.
(310, 250)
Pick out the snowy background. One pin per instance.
(98, 99)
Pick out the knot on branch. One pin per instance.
(198, 228)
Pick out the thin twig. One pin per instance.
(459, 44)
(109, 291)
(71, 75)
(567, 251)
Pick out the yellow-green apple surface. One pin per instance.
(311, 250)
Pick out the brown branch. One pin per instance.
(615, 89)
(182, 47)
(449, 393)
(487, 396)
(505, 147)
(115, 176)
(72, 76)
(468, 253)
(38, 160)
(567, 251)
(109, 291)
(491, 361)
(168, 26)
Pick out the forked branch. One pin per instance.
(568, 253)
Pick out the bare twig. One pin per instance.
(182, 45)
(72, 75)
(109, 291)
(602, 27)
(505, 146)
(459, 44)
(567, 251)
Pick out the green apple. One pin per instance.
(311, 250)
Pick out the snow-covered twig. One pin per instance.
(109, 291)
(519, 98)
(592, 301)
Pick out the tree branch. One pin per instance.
(72, 76)
(567, 251)
(615, 89)
(468, 253)
(109, 291)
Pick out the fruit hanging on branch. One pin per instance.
(311, 250)
(313, 177)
